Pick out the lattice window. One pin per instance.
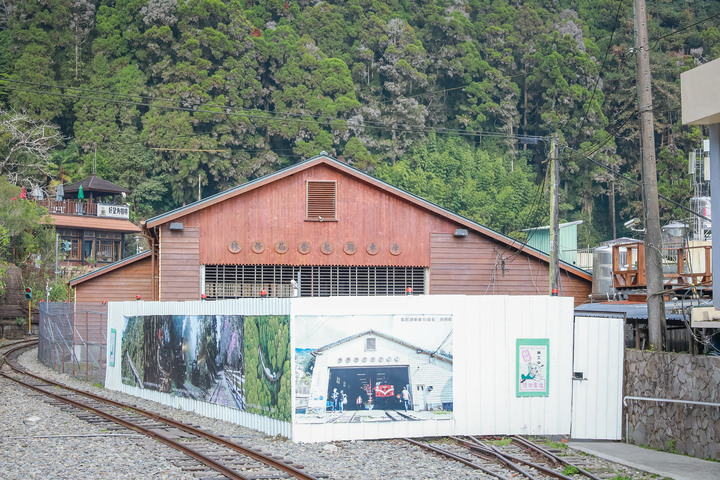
(239, 281)
(321, 200)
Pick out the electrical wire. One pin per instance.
(256, 114)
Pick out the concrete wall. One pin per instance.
(687, 429)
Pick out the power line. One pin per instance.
(634, 182)
(268, 116)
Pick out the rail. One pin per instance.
(658, 400)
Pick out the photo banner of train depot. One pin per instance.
(373, 368)
(236, 361)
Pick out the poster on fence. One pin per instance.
(373, 368)
(531, 375)
(237, 361)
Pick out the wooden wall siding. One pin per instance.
(118, 285)
(276, 212)
(466, 266)
(179, 267)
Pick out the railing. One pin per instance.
(628, 266)
(73, 207)
(658, 400)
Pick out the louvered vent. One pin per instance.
(321, 200)
(370, 344)
(239, 281)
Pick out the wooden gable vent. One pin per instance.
(321, 200)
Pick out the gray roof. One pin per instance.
(675, 310)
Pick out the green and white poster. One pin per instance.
(532, 359)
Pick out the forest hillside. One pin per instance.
(453, 100)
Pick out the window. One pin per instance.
(370, 344)
(239, 281)
(321, 201)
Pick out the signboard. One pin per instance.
(111, 347)
(531, 374)
(113, 211)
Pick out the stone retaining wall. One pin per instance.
(687, 429)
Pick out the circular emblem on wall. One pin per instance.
(326, 248)
(395, 248)
(349, 248)
(258, 246)
(234, 247)
(281, 247)
(304, 247)
(372, 248)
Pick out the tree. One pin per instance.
(26, 148)
(25, 231)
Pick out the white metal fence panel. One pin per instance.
(597, 378)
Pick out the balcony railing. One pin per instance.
(683, 266)
(86, 207)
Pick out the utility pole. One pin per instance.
(653, 240)
(554, 214)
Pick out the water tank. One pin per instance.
(674, 234)
(602, 283)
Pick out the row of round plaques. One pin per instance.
(365, 359)
(305, 247)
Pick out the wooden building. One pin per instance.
(323, 228)
(91, 221)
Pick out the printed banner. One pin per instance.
(235, 361)
(532, 355)
(373, 368)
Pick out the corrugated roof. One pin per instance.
(675, 310)
(108, 268)
(362, 176)
(95, 223)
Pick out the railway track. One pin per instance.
(514, 457)
(200, 452)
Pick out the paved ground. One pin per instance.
(677, 467)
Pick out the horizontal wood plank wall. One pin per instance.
(118, 285)
(179, 264)
(473, 265)
(276, 212)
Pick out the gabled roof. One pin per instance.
(417, 349)
(94, 184)
(324, 159)
(109, 268)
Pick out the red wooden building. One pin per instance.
(322, 228)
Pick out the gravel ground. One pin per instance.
(37, 442)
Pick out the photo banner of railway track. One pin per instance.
(373, 368)
(236, 361)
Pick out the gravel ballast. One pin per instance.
(40, 440)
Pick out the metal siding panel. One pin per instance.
(597, 401)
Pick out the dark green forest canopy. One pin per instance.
(177, 96)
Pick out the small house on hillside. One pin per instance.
(323, 228)
(91, 220)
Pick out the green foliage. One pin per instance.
(24, 227)
(267, 366)
(226, 91)
(132, 348)
(570, 470)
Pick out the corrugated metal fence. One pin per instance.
(72, 339)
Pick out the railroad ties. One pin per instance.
(507, 458)
(196, 451)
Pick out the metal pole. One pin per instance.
(715, 199)
(653, 239)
